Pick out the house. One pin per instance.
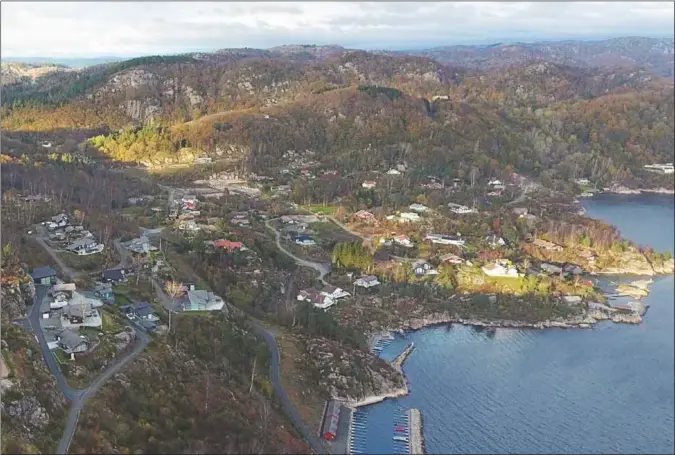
(104, 292)
(114, 276)
(496, 184)
(329, 428)
(331, 172)
(520, 211)
(316, 298)
(71, 343)
(46, 144)
(549, 246)
(500, 268)
(581, 182)
(409, 217)
(393, 172)
(403, 240)
(60, 301)
(385, 241)
(85, 246)
(363, 215)
(190, 199)
(421, 267)
(572, 299)
(369, 184)
(460, 209)
(550, 268)
(303, 240)
(81, 315)
(334, 292)
(572, 269)
(445, 239)
(189, 225)
(58, 221)
(140, 245)
(227, 245)
(451, 259)
(366, 281)
(495, 241)
(418, 208)
(141, 311)
(85, 298)
(203, 301)
(44, 275)
(296, 219)
(203, 160)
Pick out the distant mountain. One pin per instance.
(70, 62)
(12, 73)
(655, 54)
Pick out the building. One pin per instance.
(80, 315)
(334, 292)
(445, 239)
(114, 276)
(366, 281)
(104, 292)
(545, 244)
(410, 217)
(227, 245)
(404, 241)
(85, 246)
(393, 172)
(316, 298)
(202, 301)
(421, 267)
(582, 182)
(460, 209)
(303, 240)
(363, 215)
(44, 275)
(330, 420)
(520, 211)
(501, 268)
(451, 259)
(495, 241)
(141, 311)
(71, 343)
(369, 184)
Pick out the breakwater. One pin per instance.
(416, 438)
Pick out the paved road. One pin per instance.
(69, 272)
(322, 269)
(125, 255)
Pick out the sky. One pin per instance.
(123, 29)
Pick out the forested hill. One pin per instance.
(360, 111)
(655, 54)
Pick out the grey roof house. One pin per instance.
(44, 275)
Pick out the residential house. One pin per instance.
(520, 211)
(365, 216)
(60, 301)
(404, 241)
(549, 246)
(85, 246)
(393, 172)
(550, 268)
(81, 315)
(316, 298)
(44, 275)
(496, 184)
(141, 311)
(366, 281)
(104, 292)
(85, 298)
(460, 209)
(418, 208)
(409, 217)
(386, 241)
(303, 240)
(421, 267)
(190, 199)
(296, 219)
(203, 301)
(451, 259)
(115, 276)
(582, 182)
(369, 184)
(571, 299)
(331, 172)
(58, 221)
(501, 268)
(140, 245)
(189, 225)
(334, 292)
(495, 241)
(445, 239)
(203, 160)
(72, 343)
(572, 269)
(227, 245)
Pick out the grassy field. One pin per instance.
(320, 209)
(88, 263)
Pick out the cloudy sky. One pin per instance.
(124, 29)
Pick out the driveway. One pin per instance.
(68, 271)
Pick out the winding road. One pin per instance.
(77, 397)
(322, 269)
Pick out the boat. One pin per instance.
(401, 438)
(400, 428)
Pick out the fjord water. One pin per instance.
(605, 390)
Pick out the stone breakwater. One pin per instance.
(397, 364)
(416, 436)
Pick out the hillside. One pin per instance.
(253, 106)
(653, 54)
(12, 73)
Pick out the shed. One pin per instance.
(44, 275)
(330, 421)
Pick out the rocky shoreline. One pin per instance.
(620, 189)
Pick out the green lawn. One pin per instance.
(320, 209)
(88, 263)
(61, 357)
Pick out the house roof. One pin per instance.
(113, 274)
(43, 272)
(144, 311)
(227, 244)
(368, 278)
(70, 339)
(329, 289)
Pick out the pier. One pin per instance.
(398, 361)
(416, 438)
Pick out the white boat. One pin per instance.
(401, 438)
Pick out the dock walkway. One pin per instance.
(416, 438)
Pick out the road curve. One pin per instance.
(322, 269)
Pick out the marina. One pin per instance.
(406, 437)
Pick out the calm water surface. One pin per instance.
(604, 390)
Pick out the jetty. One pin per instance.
(398, 361)
(416, 439)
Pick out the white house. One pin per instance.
(445, 239)
(366, 281)
(460, 209)
(203, 301)
(393, 172)
(316, 298)
(418, 208)
(501, 268)
(85, 246)
(581, 181)
(369, 184)
(451, 259)
(495, 241)
(422, 267)
(409, 217)
(403, 240)
(334, 292)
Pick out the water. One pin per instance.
(606, 390)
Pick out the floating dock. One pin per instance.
(416, 438)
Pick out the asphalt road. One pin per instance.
(69, 272)
(77, 397)
(322, 269)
